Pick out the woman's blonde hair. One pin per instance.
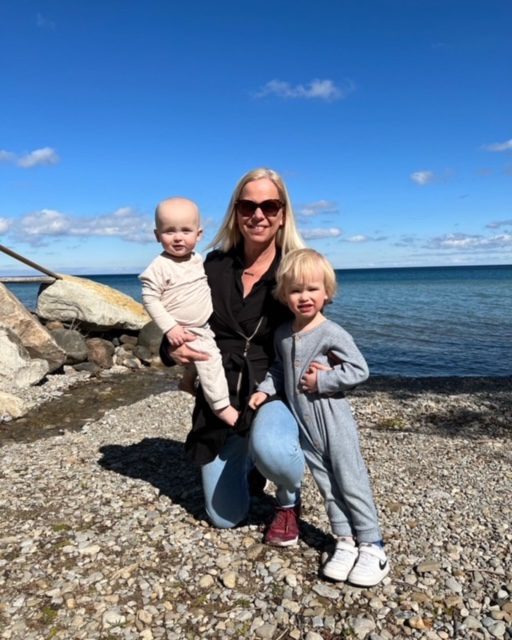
(298, 267)
(287, 238)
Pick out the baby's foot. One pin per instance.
(229, 414)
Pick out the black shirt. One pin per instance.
(244, 330)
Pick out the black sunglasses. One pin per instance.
(268, 207)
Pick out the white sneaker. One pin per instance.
(343, 559)
(371, 567)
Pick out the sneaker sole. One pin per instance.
(369, 584)
(336, 577)
(282, 543)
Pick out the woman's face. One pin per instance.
(259, 229)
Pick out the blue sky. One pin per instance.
(389, 120)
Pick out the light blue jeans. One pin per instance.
(273, 447)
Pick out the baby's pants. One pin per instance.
(211, 372)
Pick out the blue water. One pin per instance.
(432, 321)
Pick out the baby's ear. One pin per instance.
(199, 232)
(157, 235)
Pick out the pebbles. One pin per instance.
(103, 533)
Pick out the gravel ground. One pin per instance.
(102, 531)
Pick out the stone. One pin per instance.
(150, 336)
(36, 338)
(72, 343)
(11, 406)
(100, 352)
(229, 579)
(362, 627)
(428, 566)
(95, 306)
(17, 368)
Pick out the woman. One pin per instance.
(258, 228)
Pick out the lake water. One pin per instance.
(431, 321)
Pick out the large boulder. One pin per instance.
(17, 368)
(93, 305)
(34, 337)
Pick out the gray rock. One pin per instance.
(72, 343)
(92, 304)
(17, 368)
(100, 352)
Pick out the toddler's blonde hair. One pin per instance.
(298, 266)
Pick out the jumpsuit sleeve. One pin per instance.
(152, 300)
(349, 369)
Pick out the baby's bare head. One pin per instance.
(176, 211)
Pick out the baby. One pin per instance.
(176, 295)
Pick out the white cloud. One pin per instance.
(46, 222)
(315, 90)
(317, 234)
(4, 225)
(468, 242)
(499, 146)
(43, 156)
(422, 177)
(318, 207)
(124, 223)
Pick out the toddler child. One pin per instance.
(316, 362)
(176, 295)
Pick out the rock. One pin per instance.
(17, 368)
(36, 339)
(362, 627)
(100, 352)
(150, 336)
(94, 305)
(229, 579)
(73, 344)
(11, 406)
(428, 566)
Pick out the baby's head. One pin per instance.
(300, 267)
(177, 226)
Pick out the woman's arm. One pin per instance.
(184, 354)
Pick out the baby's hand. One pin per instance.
(309, 381)
(177, 336)
(256, 399)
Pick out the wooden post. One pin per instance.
(28, 262)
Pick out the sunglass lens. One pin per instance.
(270, 207)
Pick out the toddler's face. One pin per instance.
(178, 230)
(307, 299)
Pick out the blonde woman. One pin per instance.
(257, 230)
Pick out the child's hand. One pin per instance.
(309, 381)
(256, 399)
(178, 335)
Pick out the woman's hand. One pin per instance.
(309, 381)
(185, 353)
(256, 399)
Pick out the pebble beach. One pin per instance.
(103, 533)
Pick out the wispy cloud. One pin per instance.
(470, 242)
(124, 223)
(318, 234)
(326, 90)
(317, 208)
(44, 23)
(498, 146)
(38, 157)
(499, 223)
(422, 177)
(361, 238)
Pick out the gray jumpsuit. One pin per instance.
(329, 434)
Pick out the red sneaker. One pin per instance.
(283, 531)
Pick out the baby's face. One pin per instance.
(178, 228)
